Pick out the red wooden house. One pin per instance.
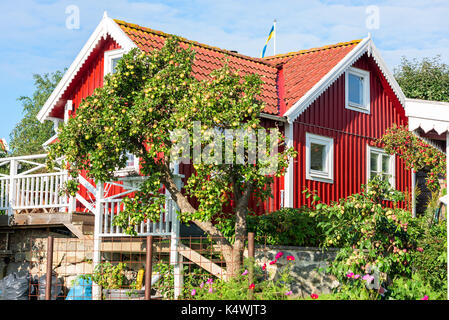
(331, 102)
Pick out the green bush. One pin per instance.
(406, 255)
(288, 227)
(416, 288)
(430, 260)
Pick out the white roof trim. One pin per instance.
(366, 45)
(427, 115)
(106, 27)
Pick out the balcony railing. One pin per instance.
(27, 186)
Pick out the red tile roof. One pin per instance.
(208, 58)
(303, 69)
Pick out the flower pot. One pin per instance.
(123, 294)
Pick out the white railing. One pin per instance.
(25, 191)
(22, 189)
(111, 206)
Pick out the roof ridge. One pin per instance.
(305, 51)
(164, 34)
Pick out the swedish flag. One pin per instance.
(270, 35)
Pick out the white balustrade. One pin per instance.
(27, 190)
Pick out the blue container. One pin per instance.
(82, 290)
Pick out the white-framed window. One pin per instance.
(380, 163)
(132, 165)
(319, 158)
(357, 87)
(111, 58)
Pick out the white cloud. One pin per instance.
(35, 39)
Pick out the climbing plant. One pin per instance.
(416, 153)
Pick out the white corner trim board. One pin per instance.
(365, 46)
(288, 177)
(106, 27)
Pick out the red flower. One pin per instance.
(264, 266)
(280, 254)
(273, 262)
(290, 258)
(252, 286)
(314, 296)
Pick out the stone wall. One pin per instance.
(306, 273)
(28, 247)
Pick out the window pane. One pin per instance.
(114, 64)
(131, 160)
(317, 154)
(385, 164)
(374, 157)
(355, 89)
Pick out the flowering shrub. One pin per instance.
(415, 152)
(371, 236)
(240, 287)
(383, 250)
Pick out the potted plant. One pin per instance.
(112, 279)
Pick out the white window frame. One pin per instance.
(365, 75)
(129, 169)
(109, 56)
(328, 174)
(392, 166)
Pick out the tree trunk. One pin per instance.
(232, 254)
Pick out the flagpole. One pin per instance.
(274, 36)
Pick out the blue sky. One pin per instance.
(35, 38)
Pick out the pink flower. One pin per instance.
(350, 275)
(209, 281)
(273, 262)
(314, 296)
(368, 278)
(264, 266)
(288, 293)
(211, 290)
(420, 249)
(279, 254)
(425, 298)
(202, 285)
(290, 258)
(193, 292)
(245, 273)
(356, 276)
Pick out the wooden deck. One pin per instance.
(80, 224)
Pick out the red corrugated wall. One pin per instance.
(352, 131)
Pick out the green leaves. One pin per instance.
(29, 134)
(427, 79)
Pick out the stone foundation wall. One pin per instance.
(73, 257)
(28, 247)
